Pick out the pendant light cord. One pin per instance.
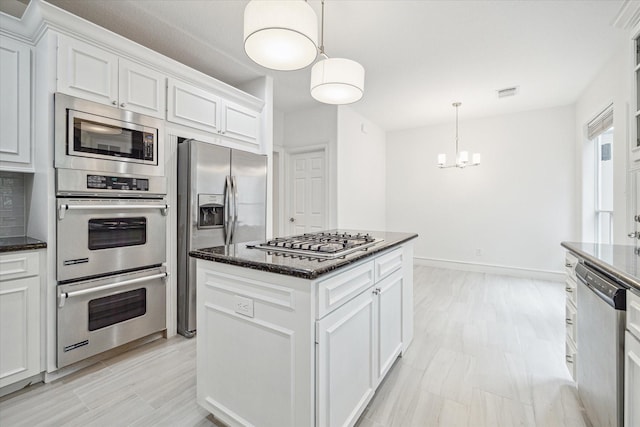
(321, 48)
(457, 104)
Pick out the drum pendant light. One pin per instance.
(280, 34)
(336, 80)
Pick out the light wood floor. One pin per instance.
(488, 351)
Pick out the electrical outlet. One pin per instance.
(243, 306)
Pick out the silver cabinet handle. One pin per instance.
(123, 105)
(63, 208)
(65, 295)
(569, 321)
(114, 103)
(636, 218)
(568, 289)
(632, 234)
(569, 358)
(569, 265)
(292, 219)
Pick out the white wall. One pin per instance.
(516, 207)
(613, 84)
(361, 172)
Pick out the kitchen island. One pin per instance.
(286, 340)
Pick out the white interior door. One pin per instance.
(307, 192)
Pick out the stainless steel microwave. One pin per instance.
(95, 137)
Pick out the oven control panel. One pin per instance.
(104, 182)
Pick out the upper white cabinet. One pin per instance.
(89, 72)
(635, 127)
(19, 316)
(15, 106)
(195, 107)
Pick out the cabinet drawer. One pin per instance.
(570, 319)
(388, 263)
(570, 287)
(18, 265)
(337, 290)
(633, 313)
(570, 262)
(571, 358)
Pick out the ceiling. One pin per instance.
(419, 56)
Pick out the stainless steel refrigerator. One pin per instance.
(222, 197)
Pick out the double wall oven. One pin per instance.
(111, 227)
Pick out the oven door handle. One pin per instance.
(65, 295)
(65, 207)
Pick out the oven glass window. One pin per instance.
(117, 308)
(114, 141)
(105, 233)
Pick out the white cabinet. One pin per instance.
(632, 362)
(15, 105)
(195, 107)
(632, 381)
(19, 316)
(345, 361)
(388, 310)
(634, 155)
(360, 338)
(92, 73)
(571, 310)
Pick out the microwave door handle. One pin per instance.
(227, 210)
(65, 295)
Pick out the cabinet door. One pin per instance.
(19, 329)
(192, 106)
(86, 71)
(632, 381)
(141, 89)
(388, 322)
(241, 123)
(344, 363)
(15, 105)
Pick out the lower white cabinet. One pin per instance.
(388, 310)
(345, 361)
(632, 381)
(632, 362)
(571, 313)
(19, 316)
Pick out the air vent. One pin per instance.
(509, 91)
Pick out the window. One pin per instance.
(600, 134)
(603, 144)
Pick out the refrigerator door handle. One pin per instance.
(234, 225)
(228, 220)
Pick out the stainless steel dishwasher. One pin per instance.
(600, 362)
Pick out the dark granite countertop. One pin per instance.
(22, 243)
(620, 261)
(240, 255)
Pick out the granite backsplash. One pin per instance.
(12, 204)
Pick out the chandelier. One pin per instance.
(462, 157)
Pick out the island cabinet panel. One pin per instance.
(258, 346)
(340, 288)
(346, 378)
(632, 381)
(388, 263)
(388, 309)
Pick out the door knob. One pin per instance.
(292, 220)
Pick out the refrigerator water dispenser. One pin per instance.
(210, 211)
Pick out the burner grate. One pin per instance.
(319, 245)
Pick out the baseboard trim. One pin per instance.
(554, 276)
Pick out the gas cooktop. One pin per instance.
(324, 245)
